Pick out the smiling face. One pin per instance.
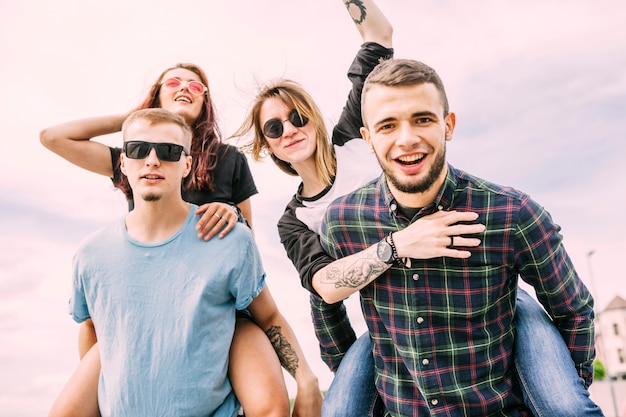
(407, 130)
(296, 145)
(180, 100)
(150, 178)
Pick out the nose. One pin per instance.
(152, 158)
(407, 136)
(288, 128)
(184, 85)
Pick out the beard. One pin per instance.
(150, 197)
(418, 186)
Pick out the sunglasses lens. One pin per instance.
(136, 150)
(196, 88)
(273, 128)
(168, 152)
(172, 83)
(297, 119)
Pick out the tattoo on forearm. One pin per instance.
(357, 274)
(287, 356)
(359, 4)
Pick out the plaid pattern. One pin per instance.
(333, 330)
(443, 328)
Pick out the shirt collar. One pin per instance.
(321, 194)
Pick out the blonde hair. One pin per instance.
(157, 116)
(295, 97)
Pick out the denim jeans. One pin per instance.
(546, 371)
(352, 392)
(545, 368)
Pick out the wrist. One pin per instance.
(394, 249)
(307, 382)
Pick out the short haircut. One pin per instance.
(403, 72)
(155, 116)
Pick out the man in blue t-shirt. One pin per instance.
(162, 300)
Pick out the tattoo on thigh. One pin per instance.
(287, 356)
(359, 4)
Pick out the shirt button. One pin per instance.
(393, 207)
(416, 277)
(434, 401)
(425, 362)
(420, 320)
(439, 207)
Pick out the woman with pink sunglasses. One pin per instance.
(221, 185)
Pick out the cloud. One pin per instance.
(538, 88)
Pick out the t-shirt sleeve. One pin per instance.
(248, 280)
(303, 247)
(78, 303)
(350, 122)
(243, 182)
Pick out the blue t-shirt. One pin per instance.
(164, 314)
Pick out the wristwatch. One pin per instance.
(384, 251)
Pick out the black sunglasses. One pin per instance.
(273, 128)
(168, 152)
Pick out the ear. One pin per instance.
(367, 138)
(122, 162)
(450, 123)
(187, 166)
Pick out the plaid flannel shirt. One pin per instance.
(442, 328)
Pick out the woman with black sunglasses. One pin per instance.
(221, 185)
(286, 123)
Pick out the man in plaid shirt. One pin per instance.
(442, 329)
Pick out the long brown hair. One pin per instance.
(206, 136)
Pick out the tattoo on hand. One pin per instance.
(287, 356)
(359, 4)
(356, 274)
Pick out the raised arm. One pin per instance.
(371, 23)
(376, 33)
(72, 141)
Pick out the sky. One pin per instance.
(538, 87)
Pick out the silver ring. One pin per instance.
(217, 215)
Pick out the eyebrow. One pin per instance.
(413, 116)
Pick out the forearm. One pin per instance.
(290, 353)
(71, 141)
(83, 129)
(371, 23)
(345, 276)
(266, 315)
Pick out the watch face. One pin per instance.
(384, 252)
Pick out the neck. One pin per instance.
(414, 200)
(419, 199)
(155, 221)
(312, 184)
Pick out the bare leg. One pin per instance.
(86, 337)
(256, 374)
(79, 396)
